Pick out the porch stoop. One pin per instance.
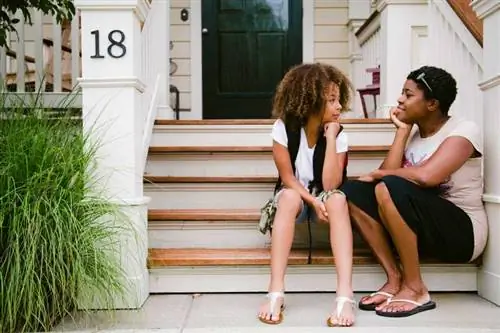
(207, 181)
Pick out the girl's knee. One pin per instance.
(289, 199)
(336, 203)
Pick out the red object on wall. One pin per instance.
(371, 89)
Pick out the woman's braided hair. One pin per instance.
(302, 92)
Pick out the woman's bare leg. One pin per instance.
(342, 248)
(405, 240)
(376, 237)
(289, 205)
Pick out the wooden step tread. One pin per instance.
(213, 180)
(210, 180)
(247, 149)
(243, 257)
(255, 121)
(203, 215)
(224, 257)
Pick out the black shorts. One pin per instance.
(444, 231)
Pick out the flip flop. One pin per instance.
(341, 300)
(420, 307)
(372, 306)
(273, 298)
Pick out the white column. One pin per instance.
(489, 276)
(112, 113)
(359, 11)
(399, 20)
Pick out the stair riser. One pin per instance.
(308, 278)
(225, 165)
(208, 196)
(255, 135)
(231, 234)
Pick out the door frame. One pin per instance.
(196, 51)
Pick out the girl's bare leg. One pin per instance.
(289, 205)
(342, 248)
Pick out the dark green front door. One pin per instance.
(247, 47)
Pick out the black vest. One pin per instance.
(293, 135)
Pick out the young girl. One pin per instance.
(308, 103)
(425, 198)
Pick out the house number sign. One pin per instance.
(116, 47)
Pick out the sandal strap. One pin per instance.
(382, 293)
(273, 298)
(391, 300)
(341, 300)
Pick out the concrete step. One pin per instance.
(256, 132)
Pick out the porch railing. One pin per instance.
(155, 66)
(461, 54)
(43, 57)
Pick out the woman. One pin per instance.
(308, 103)
(425, 199)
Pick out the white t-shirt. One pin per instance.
(304, 162)
(464, 187)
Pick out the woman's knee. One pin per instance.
(387, 188)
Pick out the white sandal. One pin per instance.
(340, 300)
(273, 298)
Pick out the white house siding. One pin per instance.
(180, 35)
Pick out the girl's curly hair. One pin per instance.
(302, 92)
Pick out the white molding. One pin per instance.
(490, 83)
(491, 198)
(488, 286)
(123, 82)
(355, 24)
(461, 30)
(369, 30)
(196, 61)
(355, 57)
(307, 31)
(140, 7)
(484, 8)
(309, 278)
(381, 4)
(417, 34)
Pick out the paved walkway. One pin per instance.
(236, 313)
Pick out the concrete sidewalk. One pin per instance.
(236, 313)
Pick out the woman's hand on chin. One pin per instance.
(395, 114)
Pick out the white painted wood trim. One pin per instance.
(491, 198)
(196, 61)
(484, 8)
(490, 83)
(369, 30)
(140, 7)
(133, 82)
(307, 31)
(461, 30)
(196, 51)
(309, 278)
(139, 201)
